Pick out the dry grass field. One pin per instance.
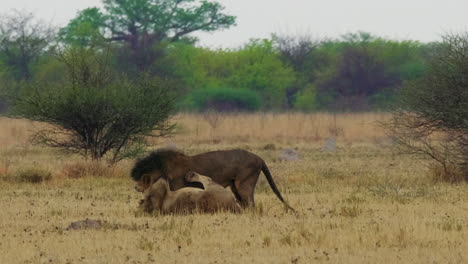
(361, 203)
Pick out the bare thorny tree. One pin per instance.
(433, 117)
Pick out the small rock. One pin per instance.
(288, 154)
(330, 145)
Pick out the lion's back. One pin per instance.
(223, 166)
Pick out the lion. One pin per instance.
(238, 169)
(212, 198)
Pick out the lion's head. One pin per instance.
(169, 164)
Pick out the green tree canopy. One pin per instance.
(141, 24)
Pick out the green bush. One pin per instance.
(306, 100)
(256, 67)
(226, 99)
(94, 112)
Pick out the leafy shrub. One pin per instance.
(306, 101)
(226, 99)
(94, 112)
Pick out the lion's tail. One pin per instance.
(270, 180)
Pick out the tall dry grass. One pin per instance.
(276, 127)
(243, 128)
(264, 127)
(14, 131)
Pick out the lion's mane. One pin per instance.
(156, 160)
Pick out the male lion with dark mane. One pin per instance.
(238, 169)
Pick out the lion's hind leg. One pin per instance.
(239, 198)
(244, 193)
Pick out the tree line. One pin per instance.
(355, 72)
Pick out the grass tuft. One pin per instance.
(29, 175)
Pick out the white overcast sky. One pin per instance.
(424, 20)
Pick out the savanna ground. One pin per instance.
(363, 203)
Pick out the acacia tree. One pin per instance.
(142, 24)
(433, 117)
(95, 112)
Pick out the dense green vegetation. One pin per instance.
(356, 72)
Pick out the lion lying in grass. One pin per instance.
(212, 198)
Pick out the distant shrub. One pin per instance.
(31, 175)
(306, 101)
(226, 99)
